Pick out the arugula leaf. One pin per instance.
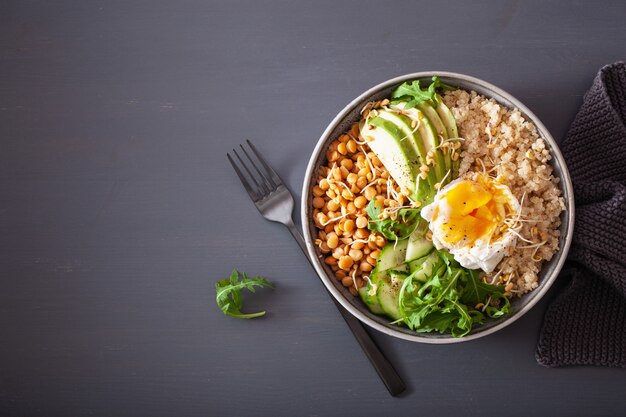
(476, 291)
(402, 227)
(372, 210)
(439, 321)
(445, 302)
(228, 292)
(413, 94)
(434, 305)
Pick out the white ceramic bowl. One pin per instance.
(342, 122)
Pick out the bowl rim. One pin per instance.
(566, 184)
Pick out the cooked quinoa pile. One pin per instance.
(500, 141)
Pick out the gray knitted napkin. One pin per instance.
(586, 323)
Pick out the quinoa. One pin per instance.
(499, 140)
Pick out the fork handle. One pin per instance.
(385, 370)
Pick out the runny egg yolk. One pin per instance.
(474, 210)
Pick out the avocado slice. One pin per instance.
(448, 120)
(441, 134)
(440, 129)
(412, 136)
(404, 123)
(396, 154)
(431, 140)
(403, 149)
(429, 136)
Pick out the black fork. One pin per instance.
(275, 203)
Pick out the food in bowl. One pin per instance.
(437, 207)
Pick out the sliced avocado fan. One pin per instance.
(406, 139)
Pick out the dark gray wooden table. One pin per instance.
(119, 211)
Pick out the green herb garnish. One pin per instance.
(229, 293)
(405, 223)
(411, 92)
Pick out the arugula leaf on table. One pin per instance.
(413, 94)
(406, 222)
(228, 292)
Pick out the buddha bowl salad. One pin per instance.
(437, 207)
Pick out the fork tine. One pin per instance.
(260, 188)
(267, 179)
(275, 178)
(252, 193)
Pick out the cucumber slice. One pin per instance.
(397, 277)
(370, 301)
(418, 246)
(431, 264)
(391, 257)
(368, 292)
(388, 298)
(402, 270)
(416, 264)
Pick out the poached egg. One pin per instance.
(470, 217)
